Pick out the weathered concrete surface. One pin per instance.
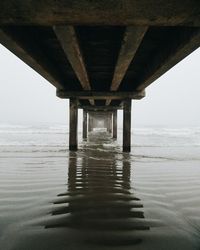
(109, 115)
(101, 95)
(115, 124)
(36, 59)
(90, 122)
(73, 125)
(84, 124)
(132, 39)
(112, 12)
(67, 37)
(127, 126)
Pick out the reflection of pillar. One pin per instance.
(126, 173)
(84, 200)
(115, 124)
(127, 126)
(84, 124)
(73, 120)
(72, 172)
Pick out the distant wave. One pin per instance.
(168, 131)
(182, 131)
(47, 135)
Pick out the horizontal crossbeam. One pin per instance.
(100, 95)
(99, 108)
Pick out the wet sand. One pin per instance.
(97, 198)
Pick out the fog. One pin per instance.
(172, 100)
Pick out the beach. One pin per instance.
(99, 197)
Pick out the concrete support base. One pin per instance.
(127, 126)
(73, 125)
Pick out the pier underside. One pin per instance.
(100, 54)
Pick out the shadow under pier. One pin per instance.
(99, 202)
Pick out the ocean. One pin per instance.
(99, 197)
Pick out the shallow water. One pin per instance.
(99, 197)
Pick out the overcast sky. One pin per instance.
(172, 100)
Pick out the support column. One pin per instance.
(84, 124)
(110, 122)
(90, 123)
(73, 124)
(107, 120)
(94, 121)
(127, 126)
(115, 124)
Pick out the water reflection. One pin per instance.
(99, 202)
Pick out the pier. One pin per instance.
(100, 55)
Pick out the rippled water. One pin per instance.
(99, 197)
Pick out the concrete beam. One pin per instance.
(33, 57)
(69, 42)
(161, 63)
(101, 95)
(100, 113)
(100, 109)
(100, 12)
(133, 36)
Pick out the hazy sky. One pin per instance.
(26, 97)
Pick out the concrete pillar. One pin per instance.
(107, 122)
(110, 123)
(127, 126)
(115, 124)
(94, 121)
(84, 124)
(73, 125)
(90, 123)
(104, 122)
